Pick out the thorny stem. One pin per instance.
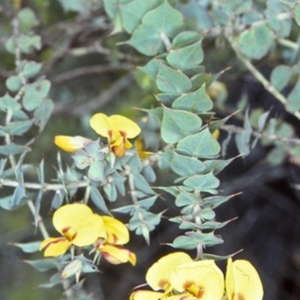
(41, 225)
(44, 186)
(254, 71)
(131, 185)
(272, 137)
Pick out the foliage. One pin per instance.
(184, 107)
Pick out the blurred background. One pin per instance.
(90, 73)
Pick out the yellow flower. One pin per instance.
(78, 225)
(70, 143)
(202, 279)
(113, 235)
(216, 134)
(117, 129)
(158, 276)
(142, 153)
(242, 281)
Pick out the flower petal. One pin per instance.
(122, 124)
(114, 231)
(203, 279)
(79, 220)
(55, 246)
(145, 295)
(158, 275)
(243, 281)
(89, 231)
(116, 255)
(70, 143)
(101, 124)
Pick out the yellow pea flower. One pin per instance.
(78, 225)
(202, 279)
(70, 143)
(158, 276)
(117, 129)
(113, 235)
(242, 281)
(142, 153)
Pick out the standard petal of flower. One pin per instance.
(123, 124)
(243, 281)
(71, 215)
(101, 124)
(158, 275)
(116, 232)
(203, 279)
(146, 295)
(115, 255)
(55, 246)
(89, 231)
(70, 143)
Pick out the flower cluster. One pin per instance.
(116, 128)
(80, 227)
(181, 278)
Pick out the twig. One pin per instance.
(267, 84)
(44, 186)
(96, 103)
(69, 75)
(262, 135)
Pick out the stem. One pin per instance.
(44, 186)
(261, 135)
(131, 185)
(267, 84)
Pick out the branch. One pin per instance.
(97, 102)
(45, 186)
(83, 71)
(267, 84)
(261, 135)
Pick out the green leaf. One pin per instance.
(185, 38)
(112, 6)
(166, 98)
(237, 6)
(256, 41)
(26, 43)
(195, 102)
(148, 173)
(202, 145)
(110, 192)
(13, 149)
(141, 184)
(185, 199)
(215, 201)
(297, 14)
(163, 20)
(42, 113)
(152, 67)
(98, 200)
(96, 171)
(171, 81)
(31, 69)
(29, 247)
(9, 103)
(243, 139)
(7, 202)
(35, 93)
(133, 12)
(18, 127)
(177, 124)
(186, 57)
(280, 76)
(217, 165)
(27, 19)
(43, 265)
(182, 165)
(281, 27)
(204, 183)
(293, 103)
(13, 83)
